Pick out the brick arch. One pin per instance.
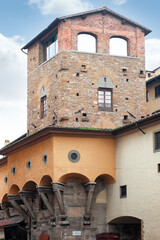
(44, 236)
(91, 41)
(65, 177)
(122, 38)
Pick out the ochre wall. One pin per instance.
(97, 158)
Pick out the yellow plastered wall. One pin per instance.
(4, 187)
(34, 153)
(97, 157)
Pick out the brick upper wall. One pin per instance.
(102, 26)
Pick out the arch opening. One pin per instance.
(46, 181)
(29, 186)
(5, 198)
(14, 190)
(127, 227)
(87, 43)
(108, 178)
(118, 46)
(65, 177)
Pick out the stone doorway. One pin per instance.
(44, 236)
(129, 228)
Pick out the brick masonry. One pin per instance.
(67, 93)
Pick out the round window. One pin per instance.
(74, 156)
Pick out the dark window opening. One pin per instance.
(77, 94)
(43, 107)
(125, 117)
(157, 91)
(124, 70)
(105, 100)
(83, 66)
(147, 96)
(77, 74)
(84, 114)
(141, 72)
(157, 141)
(123, 191)
(158, 167)
(149, 75)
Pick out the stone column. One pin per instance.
(43, 190)
(58, 189)
(89, 188)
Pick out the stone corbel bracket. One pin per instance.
(89, 188)
(58, 189)
(5, 206)
(25, 195)
(43, 190)
(15, 202)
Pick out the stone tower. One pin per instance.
(77, 78)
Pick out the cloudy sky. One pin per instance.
(22, 20)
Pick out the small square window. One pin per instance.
(157, 141)
(123, 191)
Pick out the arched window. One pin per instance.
(118, 46)
(87, 43)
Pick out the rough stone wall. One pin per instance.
(75, 201)
(71, 88)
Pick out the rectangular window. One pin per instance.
(157, 141)
(43, 107)
(50, 47)
(147, 96)
(105, 99)
(123, 191)
(157, 91)
(158, 167)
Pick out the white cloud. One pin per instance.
(54, 7)
(12, 88)
(152, 53)
(119, 2)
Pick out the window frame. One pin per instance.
(107, 109)
(46, 46)
(156, 149)
(157, 91)
(123, 194)
(43, 107)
